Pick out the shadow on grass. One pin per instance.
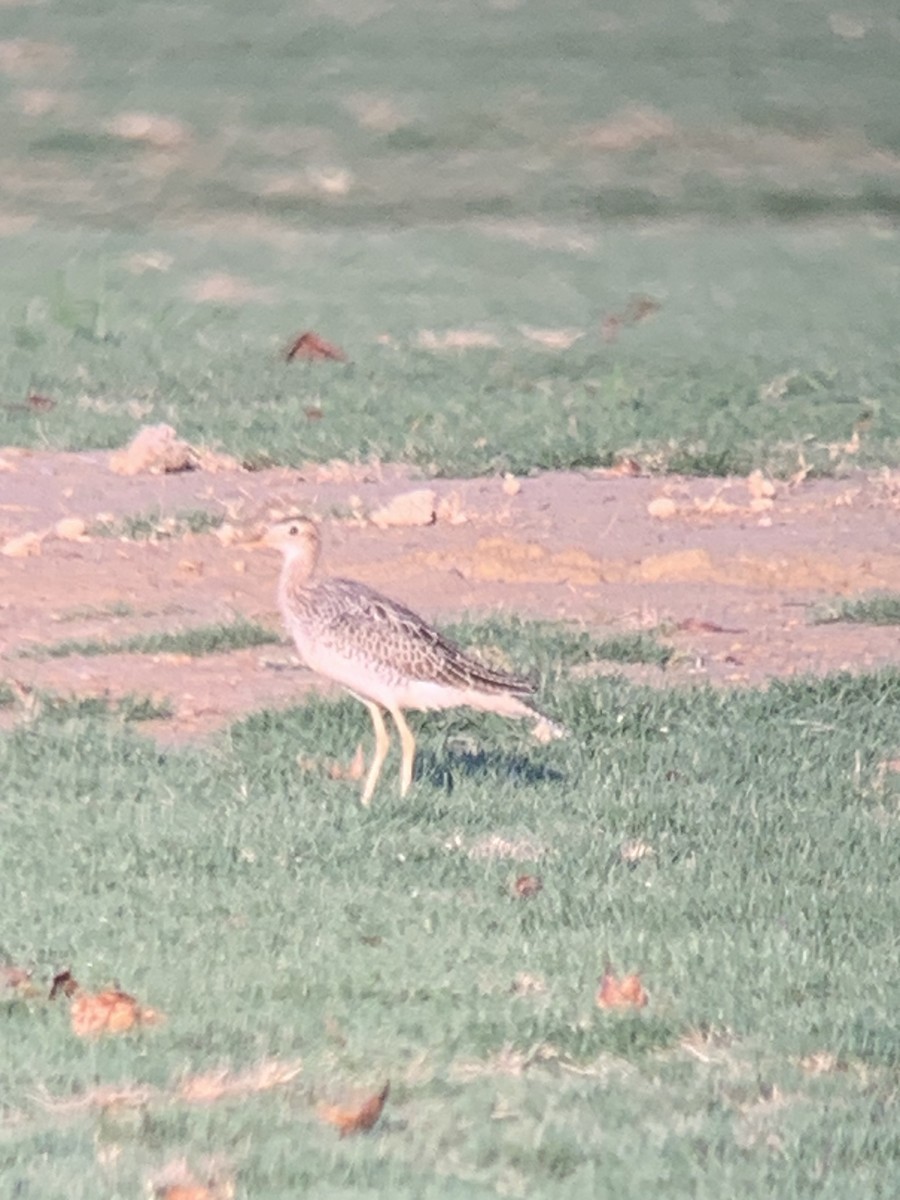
(443, 768)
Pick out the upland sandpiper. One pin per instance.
(381, 652)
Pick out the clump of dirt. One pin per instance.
(729, 586)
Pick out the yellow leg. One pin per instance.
(382, 744)
(408, 743)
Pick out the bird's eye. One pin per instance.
(294, 530)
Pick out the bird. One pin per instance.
(383, 653)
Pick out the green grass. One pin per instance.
(155, 524)
(416, 114)
(551, 647)
(93, 612)
(739, 368)
(196, 641)
(540, 643)
(412, 185)
(53, 706)
(268, 915)
(868, 610)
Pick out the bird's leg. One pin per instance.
(408, 744)
(382, 744)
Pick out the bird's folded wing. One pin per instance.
(370, 625)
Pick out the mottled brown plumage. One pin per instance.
(382, 652)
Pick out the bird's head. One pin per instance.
(295, 537)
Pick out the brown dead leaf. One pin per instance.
(354, 1120)
(40, 403)
(109, 1011)
(15, 979)
(624, 992)
(699, 625)
(64, 983)
(526, 887)
(313, 413)
(185, 1191)
(638, 309)
(311, 348)
(353, 770)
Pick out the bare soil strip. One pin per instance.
(730, 576)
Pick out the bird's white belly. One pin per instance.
(352, 673)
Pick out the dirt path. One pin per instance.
(729, 574)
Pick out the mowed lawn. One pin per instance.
(771, 348)
(545, 236)
(739, 850)
(466, 197)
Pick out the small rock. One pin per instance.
(511, 485)
(450, 510)
(26, 545)
(759, 487)
(662, 507)
(409, 508)
(227, 534)
(71, 529)
(156, 450)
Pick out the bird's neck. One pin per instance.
(298, 568)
